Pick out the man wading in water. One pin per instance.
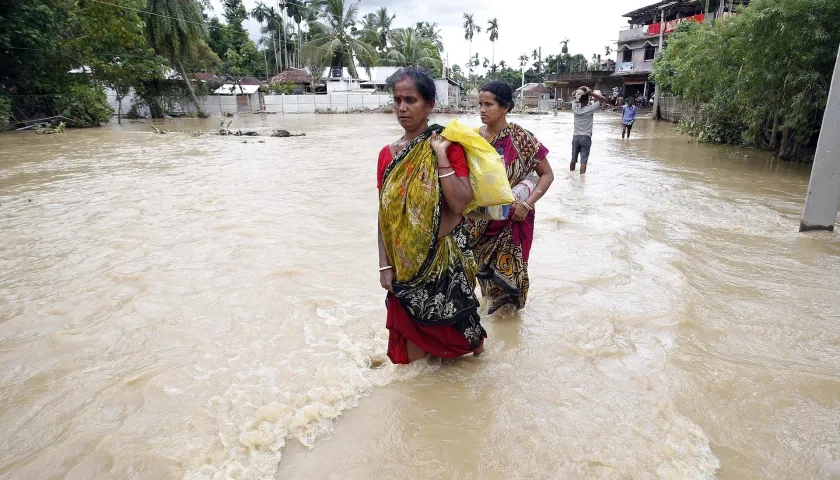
(582, 137)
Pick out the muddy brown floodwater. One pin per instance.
(203, 308)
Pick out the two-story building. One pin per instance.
(638, 43)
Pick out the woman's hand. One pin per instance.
(439, 145)
(518, 212)
(386, 279)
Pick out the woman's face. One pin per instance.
(412, 111)
(491, 111)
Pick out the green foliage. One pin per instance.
(230, 41)
(47, 129)
(174, 28)
(5, 113)
(287, 88)
(85, 106)
(769, 65)
(513, 77)
(333, 37)
(410, 49)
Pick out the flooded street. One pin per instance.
(203, 308)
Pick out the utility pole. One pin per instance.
(522, 90)
(821, 203)
(657, 92)
(285, 53)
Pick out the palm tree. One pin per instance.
(260, 13)
(273, 23)
(410, 49)
(333, 39)
(296, 10)
(565, 44)
(384, 19)
(291, 11)
(493, 30)
(431, 32)
(281, 29)
(470, 29)
(486, 62)
(537, 60)
(368, 33)
(175, 30)
(473, 62)
(502, 65)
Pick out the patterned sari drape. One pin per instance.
(502, 247)
(435, 277)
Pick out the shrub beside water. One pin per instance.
(85, 106)
(5, 114)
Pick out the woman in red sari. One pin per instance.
(502, 248)
(424, 262)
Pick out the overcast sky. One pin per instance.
(523, 25)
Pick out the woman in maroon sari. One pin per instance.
(502, 247)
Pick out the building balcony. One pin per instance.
(630, 34)
(586, 76)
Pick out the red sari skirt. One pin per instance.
(444, 341)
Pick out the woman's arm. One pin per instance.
(386, 276)
(546, 177)
(546, 174)
(457, 191)
(523, 189)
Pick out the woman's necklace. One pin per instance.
(487, 135)
(401, 143)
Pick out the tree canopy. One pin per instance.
(753, 77)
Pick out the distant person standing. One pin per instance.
(582, 136)
(628, 117)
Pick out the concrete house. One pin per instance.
(638, 43)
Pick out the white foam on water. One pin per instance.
(299, 397)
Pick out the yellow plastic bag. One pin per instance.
(488, 177)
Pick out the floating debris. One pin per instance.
(158, 130)
(47, 129)
(285, 133)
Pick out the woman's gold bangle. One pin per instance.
(530, 208)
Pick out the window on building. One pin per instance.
(626, 55)
(650, 53)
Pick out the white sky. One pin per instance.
(523, 26)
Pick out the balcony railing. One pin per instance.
(580, 76)
(633, 34)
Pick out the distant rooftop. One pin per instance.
(297, 76)
(651, 13)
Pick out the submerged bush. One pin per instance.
(85, 106)
(5, 114)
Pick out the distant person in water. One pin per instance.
(628, 117)
(424, 262)
(584, 112)
(502, 247)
